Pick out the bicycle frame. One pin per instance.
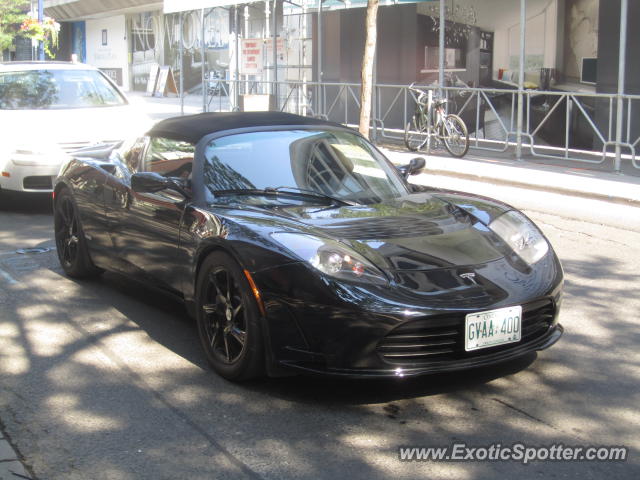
(431, 120)
(428, 116)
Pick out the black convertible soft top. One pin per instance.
(191, 128)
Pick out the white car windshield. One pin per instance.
(56, 89)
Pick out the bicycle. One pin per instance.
(430, 120)
(216, 83)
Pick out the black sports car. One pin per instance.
(297, 245)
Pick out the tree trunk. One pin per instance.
(367, 67)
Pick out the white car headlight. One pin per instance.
(521, 235)
(331, 258)
(36, 155)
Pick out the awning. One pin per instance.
(65, 10)
(171, 6)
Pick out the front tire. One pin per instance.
(228, 319)
(415, 134)
(71, 243)
(455, 136)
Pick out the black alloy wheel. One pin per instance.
(67, 232)
(227, 325)
(228, 319)
(70, 241)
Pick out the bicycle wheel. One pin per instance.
(415, 134)
(455, 136)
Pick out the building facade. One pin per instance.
(571, 47)
(482, 39)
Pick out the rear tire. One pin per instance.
(228, 319)
(71, 243)
(455, 136)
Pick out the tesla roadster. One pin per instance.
(297, 246)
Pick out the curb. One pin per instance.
(11, 466)
(624, 193)
(533, 186)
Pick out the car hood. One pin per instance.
(414, 233)
(47, 130)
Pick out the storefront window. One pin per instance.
(145, 34)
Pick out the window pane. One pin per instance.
(51, 89)
(328, 162)
(170, 158)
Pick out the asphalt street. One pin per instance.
(105, 379)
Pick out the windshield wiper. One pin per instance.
(284, 191)
(314, 193)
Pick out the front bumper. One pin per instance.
(28, 178)
(317, 325)
(542, 343)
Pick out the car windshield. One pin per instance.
(333, 163)
(56, 89)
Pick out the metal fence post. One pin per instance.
(523, 35)
(374, 98)
(441, 63)
(320, 108)
(275, 54)
(41, 19)
(181, 60)
(236, 92)
(203, 52)
(622, 64)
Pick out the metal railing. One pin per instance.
(562, 126)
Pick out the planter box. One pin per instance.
(257, 102)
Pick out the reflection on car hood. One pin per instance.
(417, 232)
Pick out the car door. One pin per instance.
(117, 200)
(146, 229)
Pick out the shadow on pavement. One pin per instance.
(27, 220)
(330, 390)
(19, 202)
(106, 379)
(176, 331)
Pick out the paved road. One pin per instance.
(105, 380)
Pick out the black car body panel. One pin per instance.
(435, 248)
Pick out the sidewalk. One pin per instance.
(158, 108)
(573, 181)
(576, 182)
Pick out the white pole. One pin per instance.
(622, 66)
(441, 65)
(274, 18)
(181, 57)
(203, 51)
(523, 36)
(320, 108)
(267, 35)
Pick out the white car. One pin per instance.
(50, 110)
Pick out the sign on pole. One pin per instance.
(251, 56)
(280, 46)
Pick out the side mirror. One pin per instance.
(151, 182)
(413, 167)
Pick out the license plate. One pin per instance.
(491, 328)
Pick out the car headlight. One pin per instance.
(331, 258)
(521, 235)
(39, 155)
